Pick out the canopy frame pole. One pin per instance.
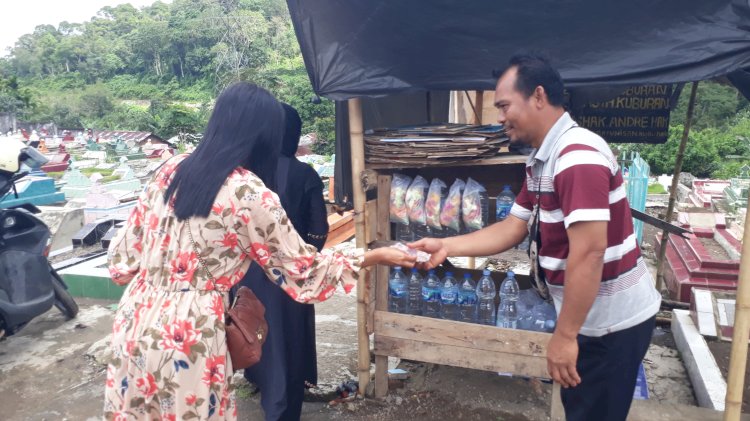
(356, 136)
(738, 353)
(673, 188)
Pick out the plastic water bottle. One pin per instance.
(507, 313)
(449, 297)
(467, 300)
(503, 203)
(415, 293)
(397, 291)
(486, 299)
(431, 295)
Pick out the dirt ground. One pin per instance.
(721, 351)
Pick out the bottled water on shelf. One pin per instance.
(507, 313)
(398, 294)
(415, 293)
(431, 295)
(503, 203)
(449, 297)
(467, 300)
(486, 299)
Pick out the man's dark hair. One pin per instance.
(532, 70)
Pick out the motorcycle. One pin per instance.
(29, 285)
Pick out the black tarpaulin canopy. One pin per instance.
(357, 48)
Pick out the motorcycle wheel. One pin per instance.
(63, 300)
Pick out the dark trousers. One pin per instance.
(608, 366)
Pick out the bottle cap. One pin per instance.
(467, 275)
(506, 187)
(511, 274)
(414, 270)
(448, 274)
(486, 272)
(397, 268)
(431, 272)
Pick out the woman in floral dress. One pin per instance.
(170, 358)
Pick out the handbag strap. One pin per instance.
(197, 253)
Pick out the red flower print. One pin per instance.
(169, 417)
(302, 264)
(136, 217)
(259, 252)
(165, 242)
(190, 399)
(153, 222)
(183, 266)
(267, 200)
(217, 209)
(129, 347)
(326, 293)
(138, 246)
(214, 372)
(217, 306)
(146, 385)
(244, 215)
(229, 241)
(110, 378)
(225, 282)
(179, 336)
(120, 416)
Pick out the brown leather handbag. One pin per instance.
(246, 326)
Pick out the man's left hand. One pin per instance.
(562, 354)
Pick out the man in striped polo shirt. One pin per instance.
(574, 200)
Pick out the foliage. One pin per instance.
(716, 152)
(100, 73)
(656, 188)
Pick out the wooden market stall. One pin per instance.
(420, 338)
(360, 48)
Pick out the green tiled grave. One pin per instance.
(91, 279)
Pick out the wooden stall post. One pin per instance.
(478, 111)
(738, 354)
(381, 279)
(673, 189)
(356, 135)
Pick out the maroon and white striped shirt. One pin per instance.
(575, 177)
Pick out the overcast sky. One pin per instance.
(22, 16)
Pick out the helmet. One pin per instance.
(13, 153)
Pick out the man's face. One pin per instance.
(516, 111)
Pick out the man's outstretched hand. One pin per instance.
(435, 247)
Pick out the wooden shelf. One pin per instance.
(497, 160)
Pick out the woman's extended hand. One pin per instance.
(388, 256)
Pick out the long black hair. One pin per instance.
(244, 130)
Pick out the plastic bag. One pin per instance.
(450, 215)
(473, 205)
(434, 203)
(399, 186)
(415, 198)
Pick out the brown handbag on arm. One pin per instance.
(246, 327)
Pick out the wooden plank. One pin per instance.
(371, 216)
(459, 334)
(496, 160)
(383, 232)
(458, 356)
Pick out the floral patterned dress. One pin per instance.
(170, 358)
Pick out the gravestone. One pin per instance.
(36, 190)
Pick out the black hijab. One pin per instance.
(292, 131)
